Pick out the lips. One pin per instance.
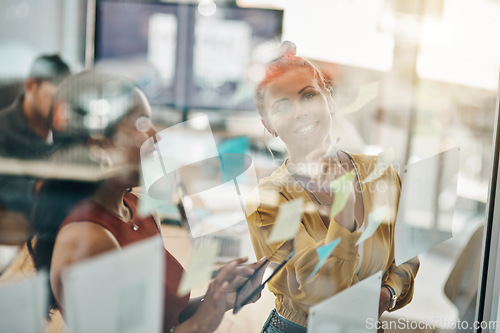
(306, 128)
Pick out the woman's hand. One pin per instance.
(211, 310)
(323, 171)
(242, 274)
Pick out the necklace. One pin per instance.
(328, 200)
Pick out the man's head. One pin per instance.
(46, 72)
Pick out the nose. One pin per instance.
(299, 110)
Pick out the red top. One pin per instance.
(124, 233)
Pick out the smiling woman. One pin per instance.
(296, 105)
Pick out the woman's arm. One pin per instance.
(75, 242)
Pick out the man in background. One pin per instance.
(25, 130)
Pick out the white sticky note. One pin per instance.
(384, 160)
(366, 93)
(23, 304)
(214, 209)
(349, 310)
(119, 291)
(374, 220)
(199, 268)
(287, 222)
(186, 143)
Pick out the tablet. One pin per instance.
(245, 295)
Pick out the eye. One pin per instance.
(282, 107)
(308, 96)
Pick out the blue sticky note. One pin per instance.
(323, 254)
(234, 145)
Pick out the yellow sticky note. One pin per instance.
(342, 186)
(287, 222)
(199, 268)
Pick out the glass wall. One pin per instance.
(408, 80)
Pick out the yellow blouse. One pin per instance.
(294, 292)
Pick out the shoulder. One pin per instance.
(76, 242)
(80, 240)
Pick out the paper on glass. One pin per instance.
(342, 187)
(214, 209)
(23, 304)
(323, 254)
(347, 311)
(426, 205)
(374, 220)
(180, 145)
(199, 268)
(148, 204)
(287, 222)
(384, 161)
(366, 93)
(119, 291)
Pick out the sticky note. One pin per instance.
(384, 160)
(342, 187)
(199, 268)
(348, 310)
(374, 220)
(287, 222)
(366, 93)
(323, 254)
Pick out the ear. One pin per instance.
(268, 128)
(59, 115)
(30, 85)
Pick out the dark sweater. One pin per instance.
(17, 140)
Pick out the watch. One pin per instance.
(394, 297)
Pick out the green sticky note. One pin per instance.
(342, 186)
(199, 269)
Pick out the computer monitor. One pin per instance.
(180, 56)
